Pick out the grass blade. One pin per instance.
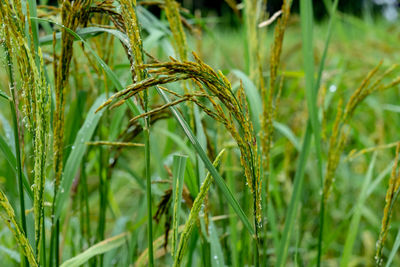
(253, 97)
(86, 33)
(217, 257)
(287, 132)
(97, 249)
(4, 95)
(394, 250)
(178, 167)
(355, 220)
(13, 164)
(233, 234)
(306, 13)
(295, 199)
(78, 150)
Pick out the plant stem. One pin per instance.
(57, 240)
(256, 238)
(102, 198)
(232, 219)
(148, 182)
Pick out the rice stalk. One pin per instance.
(8, 216)
(6, 10)
(354, 153)
(73, 14)
(36, 97)
(219, 87)
(174, 19)
(41, 144)
(19, 49)
(339, 134)
(269, 105)
(254, 13)
(390, 199)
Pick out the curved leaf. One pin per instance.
(86, 33)
(97, 249)
(9, 155)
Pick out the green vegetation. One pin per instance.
(128, 139)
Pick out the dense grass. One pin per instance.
(121, 147)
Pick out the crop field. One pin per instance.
(140, 133)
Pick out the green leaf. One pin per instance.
(253, 97)
(124, 165)
(217, 256)
(4, 95)
(355, 220)
(78, 150)
(315, 122)
(393, 108)
(97, 249)
(295, 199)
(10, 157)
(177, 140)
(149, 22)
(287, 132)
(394, 250)
(13, 254)
(306, 12)
(178, 169)
(191, 179)
(200, 134)
(86, 33)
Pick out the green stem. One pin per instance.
(321, 229)
(57, 243)
(232, 219)
(43, 240)
(102, 198)
(256, 238)
(148, 183)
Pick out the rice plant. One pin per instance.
(140, 133)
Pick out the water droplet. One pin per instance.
(332, 88)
